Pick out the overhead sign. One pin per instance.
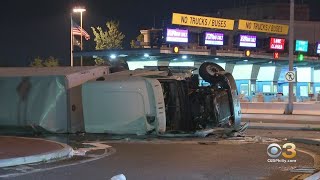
(263, 27)
(290, 76)
(318, 48)
(202, 21)
(212, 38)
(248, 40)
(177, 35)
(277, 43)
(301, 46)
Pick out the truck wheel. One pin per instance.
(208, 69)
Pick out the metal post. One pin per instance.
(291, 40)
(71, 42)
(81, 35)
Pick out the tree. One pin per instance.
(111, 38)
(49, 62)
(137, 43)
(99, 61)
(37, 62)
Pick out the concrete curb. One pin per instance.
(313, 177)
(65, 152)
(309, 141)
(282, 126)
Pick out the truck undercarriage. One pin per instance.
(190, 107)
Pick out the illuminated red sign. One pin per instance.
(275, 55)
(277, 43)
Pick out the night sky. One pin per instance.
(41, 28)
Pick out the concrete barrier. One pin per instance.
(244, 107)
(263, 107)
(308, 108)
(305, 115)
(283, 118)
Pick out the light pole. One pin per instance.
(71, 41)
(80, 10)
(291, 39)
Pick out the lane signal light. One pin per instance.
(300, 57)
(247, 53)
(176, 49)
(275, 55)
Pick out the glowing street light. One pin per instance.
(79, 10)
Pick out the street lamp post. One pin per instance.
(80, 10)
(71, 41)
(291, 40)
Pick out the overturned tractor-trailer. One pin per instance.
(160, 100)
(155, 100)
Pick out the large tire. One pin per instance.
(208, 69)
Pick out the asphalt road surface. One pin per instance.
(176, 160)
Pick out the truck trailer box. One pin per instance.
(46, 97)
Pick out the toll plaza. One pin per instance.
(259, 75)
(256, 53)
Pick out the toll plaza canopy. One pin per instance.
(260, 73)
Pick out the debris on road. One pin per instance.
(118, 177)
(94, 146)
(206, 132)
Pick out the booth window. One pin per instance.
(244, 89)
(266, 88)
